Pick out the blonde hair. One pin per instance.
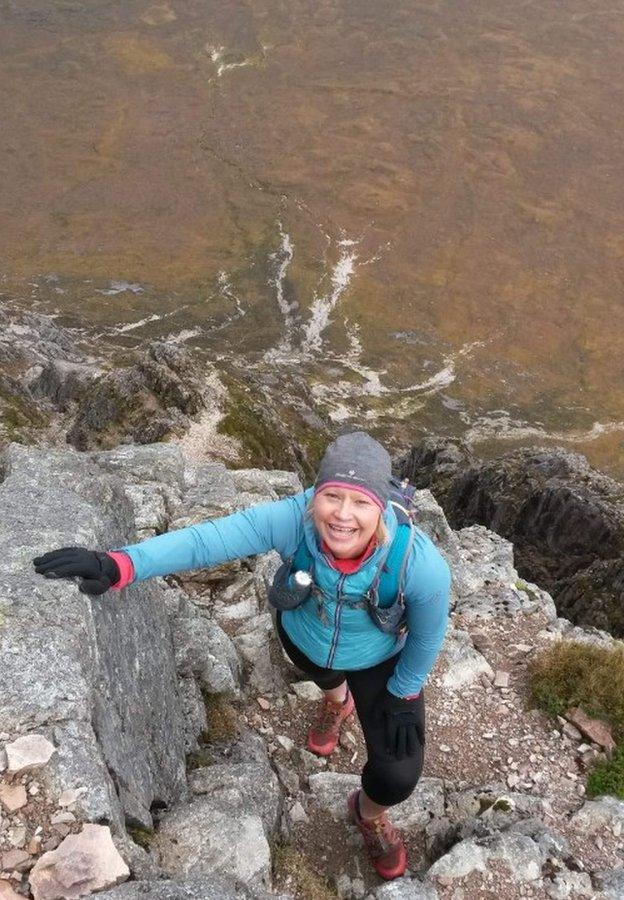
(381, 532)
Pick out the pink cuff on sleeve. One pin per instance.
(412, 696)
(126, 569)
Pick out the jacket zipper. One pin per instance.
(337, 620)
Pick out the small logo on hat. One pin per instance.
(351, 472)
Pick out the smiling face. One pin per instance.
(345, 519)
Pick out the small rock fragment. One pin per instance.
(571, 732)
(307, 690)
(13, 797)
(32, 751)
(7, 892)
(71, 796)
(263, 703)
(347, 741)
(62, 817)
(593, 729)
(82, 864)
(16, 835)
(34, 845)
(501, 679)
(15, 859)
(298, 813)
(286, 742)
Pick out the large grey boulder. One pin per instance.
(517, 852)
(202, 838)
(610, 882)
(595, 814)
(252, 786)
(492, 585)
(153, 481)
(430, 518)
(254, 641)
(463, 663)
(211, 492)
(270, 482)
(97, 676)
(203, 650)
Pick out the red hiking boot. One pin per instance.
(325, 731)
(383, 842)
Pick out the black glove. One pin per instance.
(97, 570)
(402, 724)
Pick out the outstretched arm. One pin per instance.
(269, 526)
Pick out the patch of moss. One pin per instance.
(199, 760)
(571, 673)
(292, 867)
(144, 837)
(222, 718)
(270, 438)
(608, 777)
(261, 442)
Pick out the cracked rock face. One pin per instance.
(99, 676)
(566, 520)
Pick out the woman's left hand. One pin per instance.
(401, 724)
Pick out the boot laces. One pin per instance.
(329, 716)
(380, 835)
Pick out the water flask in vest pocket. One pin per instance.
(289, 589)
(390, 619)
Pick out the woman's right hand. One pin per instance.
(97, 571)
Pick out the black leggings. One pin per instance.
(385, 779)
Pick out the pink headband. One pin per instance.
(347, 486)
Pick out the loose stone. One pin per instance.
(13, 796)
(32, 751)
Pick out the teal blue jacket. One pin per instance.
(342, 637)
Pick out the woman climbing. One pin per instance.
(362, 600)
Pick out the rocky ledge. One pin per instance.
(565, 519)
(150, 740)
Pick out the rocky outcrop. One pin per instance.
(47, 380)
(141, 404)
(565, 520)
(168, 716)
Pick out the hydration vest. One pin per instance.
(384, 600)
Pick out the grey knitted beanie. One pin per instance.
(357, 460)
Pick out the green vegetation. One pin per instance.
(19, 417)
(223, 726)
(269, 436)
(222, 718)
(575, 674)
(608, 777)
(141, 836)
(292, 867)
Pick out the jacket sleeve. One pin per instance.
(269, 526)
(427, 602)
